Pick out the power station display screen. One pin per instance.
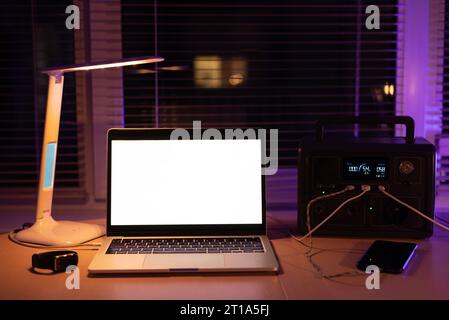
(365, 169)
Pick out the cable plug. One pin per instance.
(366, 187)
(350, 187)
(381, 188)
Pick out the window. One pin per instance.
(443, 142)
(445, 127)
(32, 37)
(265, 63)
(270, 64)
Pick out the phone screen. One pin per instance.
(388, 256)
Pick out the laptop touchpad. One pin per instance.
(183, 261)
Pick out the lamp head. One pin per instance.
(102, 65)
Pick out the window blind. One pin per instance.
(445, 119)
(270, 64)
(443, 141)
(32, 37)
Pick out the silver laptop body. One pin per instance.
(183, 206)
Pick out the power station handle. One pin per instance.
(405, 120)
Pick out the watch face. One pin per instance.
(64, 260)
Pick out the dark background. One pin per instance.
(262, 64)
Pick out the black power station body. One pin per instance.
(405, 166)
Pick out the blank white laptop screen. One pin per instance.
(186, 182)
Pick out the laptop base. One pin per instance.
(184, 263)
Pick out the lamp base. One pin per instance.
(49, 232)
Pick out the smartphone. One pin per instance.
(388, 256)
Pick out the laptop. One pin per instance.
(178, 206)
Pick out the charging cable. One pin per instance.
(309, 254)
(385, 192)
(308, 223)
(316, 199)
(365, 189)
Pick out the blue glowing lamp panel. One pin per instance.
(49, 169)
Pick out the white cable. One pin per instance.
(308, 222)
(309, 254)
(382, 189)
(12, 237)
(347, 188)
(365, 189)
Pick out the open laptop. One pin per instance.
(183, 205)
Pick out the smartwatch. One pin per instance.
(57, 261)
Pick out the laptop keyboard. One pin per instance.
(187, 245)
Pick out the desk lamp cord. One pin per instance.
(82, 246)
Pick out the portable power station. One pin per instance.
(404, 166)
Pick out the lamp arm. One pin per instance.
(49, 145)
(46, 230)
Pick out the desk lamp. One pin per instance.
(46, 230)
